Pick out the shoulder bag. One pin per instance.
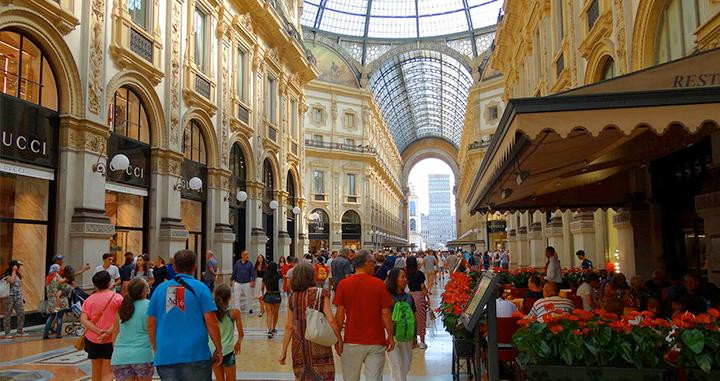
(4, 288)
(80, 342)
(317, 328)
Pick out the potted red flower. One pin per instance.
(697, 339)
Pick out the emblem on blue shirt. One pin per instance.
(175, 297)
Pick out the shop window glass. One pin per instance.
(237, 164)
(676, 31)
(241, 74)
(128, 116)
(24, 230)
(272, 99)
(194, 143)
(351, 184)
(139, 12)
(28, 75)
(293, 118)
(268, 179)
(191, 214)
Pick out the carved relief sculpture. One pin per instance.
(97, 56)
(175, 129)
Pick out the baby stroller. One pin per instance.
(77, 298)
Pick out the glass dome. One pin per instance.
(399, 19)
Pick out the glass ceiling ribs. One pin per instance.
(422, 93)
(400, 19)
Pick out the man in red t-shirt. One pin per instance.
(364, 306)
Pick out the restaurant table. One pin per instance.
(565, 292)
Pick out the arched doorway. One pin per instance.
(351, 230)
(29, 102)
(238, 187)
(126, 192)
(193, 199)
(289, 213)
(268, 212)
(319, 230)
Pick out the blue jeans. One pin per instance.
(58, 327)
(188, 371)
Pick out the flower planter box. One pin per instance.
(698, 375)
(566, 373)
(464, 347)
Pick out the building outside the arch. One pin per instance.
(119, 128)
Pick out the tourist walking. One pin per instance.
(260, 268)
(126, 271)
(404, 328)
(211, 270)
(58, 290)
(505, 260)
(272, 297)
(107, 265)
(363, 307)
(321, 272)
(243, 277)
(142, 269)
(553, 269)
(181, 315)
(160, 274)
(229, 321)
(416, 284)
(284, 266)
(132, 356)
(99, 317)
(14, 300)
(310, 361)
(341, 266)
(429, 263)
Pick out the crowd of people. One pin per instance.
(150, 316)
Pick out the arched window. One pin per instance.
(194, 143)
(268, 179)
(350, 217)
(128, 116)
(25, 71)
(676, 30)
(413, 225)
(237, 166)
(290, 186)
(608, 69)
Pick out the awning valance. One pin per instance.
(553, 152)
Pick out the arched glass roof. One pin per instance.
(399, 19)
(422, 93)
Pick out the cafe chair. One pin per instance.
(527, 305)
(577, 301)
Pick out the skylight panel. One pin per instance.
(342, 23)
(308, 15)
(358, 7)
(388, 27)
(485, 15)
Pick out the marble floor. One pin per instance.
(31, 358)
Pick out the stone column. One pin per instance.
(523, 250)
(554, 234)
(568, 244)
(221, 241)
(707, 207)
(258, 237)
(335, 235)
(583, 230)
(626, 243)
(167, 232)
(282, 247)
(83, 230)
(537, 241)
(601, 235)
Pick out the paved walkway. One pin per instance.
(32, 358)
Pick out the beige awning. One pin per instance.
(567, 144)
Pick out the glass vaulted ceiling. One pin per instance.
(422, 93)
(399, 19)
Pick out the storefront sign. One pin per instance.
(495, 226)
(28, 132)
(24, 170)
(192, 169)
(139, 154)
(696, 80)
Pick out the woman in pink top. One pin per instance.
(99, 316)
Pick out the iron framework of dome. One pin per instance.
(422, 92)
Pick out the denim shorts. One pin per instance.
(195, 371)
(271, 297)
(228, 360)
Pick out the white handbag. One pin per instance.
(317, 328)
(4, 288)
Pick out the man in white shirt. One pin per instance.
(109, 267)
(554, 271)
(589, 292)
(503, 308)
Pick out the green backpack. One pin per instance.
(403, 321)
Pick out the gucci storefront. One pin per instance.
(126, 190)
(29, 124)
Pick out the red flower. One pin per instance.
(713, 312)
(703, 318)
(556, 328)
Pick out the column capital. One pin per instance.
(583, 222)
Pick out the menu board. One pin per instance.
(481, 296)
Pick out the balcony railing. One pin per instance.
(243, 114)
(339, 146)
(202, 86)
(272, 133)
(141, 45)
(593, 13)
(352, 199)
(294, 148)
(319, 197)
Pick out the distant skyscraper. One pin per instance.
(440, 225)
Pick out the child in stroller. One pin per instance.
(76, 301)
